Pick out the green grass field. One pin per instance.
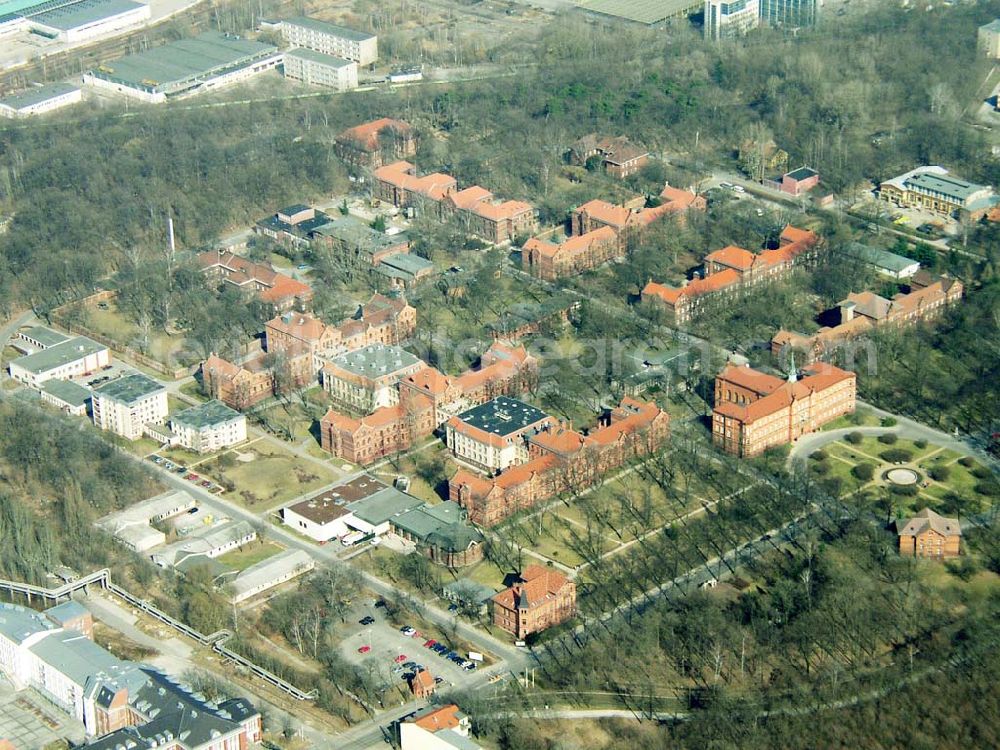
(250, 554)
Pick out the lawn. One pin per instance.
(862, 417)
(249, 554)
(162, 346)
(183, 457)
(193, 390)
(142, 446)
(267, 476)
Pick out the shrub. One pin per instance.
(889, 422)
(821, 467)
(967, 461)
(964, 567)
(921, 444)
(864, 472)
(988, 487)
(895, 455)
(818, 455)
(981, 472)
(909, 490)
(854, 438)
(939, 473)
(888, 438)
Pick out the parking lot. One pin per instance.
(183, 471)
(381, 644)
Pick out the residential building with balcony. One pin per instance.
(126, 405)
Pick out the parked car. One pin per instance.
(430, 643)
(410, 664)
(438, 680)
(452, 607)
(471, 667)
(367, 620)
(364, 649)
(190, 477)
(400, 659)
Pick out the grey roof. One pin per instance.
(200, 543)
(174, 65)
(129, 389)
(879, 258)
(470, 590)
(44, 336)
(802, 173)
(67, 391)
(59, 355)
(162, 505)
(426, 519)
(454, 739)
(69, 610)
(37, 95)
(928, 519)
(71, 15)
(18, 623)
(384, 505)
(502, 416)
(209, 414)
(293, 209)
(949, 185)
(270, 569)
(375, 360)
(993, 26)
(318, 57)
(404, 266)
(78, 657)
(356, 234)
(328, 28)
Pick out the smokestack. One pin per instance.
(170, 234)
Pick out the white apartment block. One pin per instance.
(491, 436)
(209, 427)
(124, 406)
(329, 39)
(313, 67)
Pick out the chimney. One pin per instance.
(847, 311)
(170, 234)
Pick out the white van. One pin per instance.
(349, 540)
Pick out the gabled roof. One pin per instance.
(536, 584)
(436, 719)
(928, 519)
(732, 256)
(366, 135)
(606, 213)
(470, 196)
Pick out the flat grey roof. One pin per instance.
(949, 185)
(45, 336)
(329, 28)
(375, 360)
(184, 60)
(404, 264)
(78, 657)
(209, 414)
(37, 95)
(271, 568)
(502, 416)
(66, 611)
(383, 505)
(802, 173)
(130, 388)
(18, 623)
(59, 355)
(80, 14)
(880, 258)
(318, 57)
(67, 391)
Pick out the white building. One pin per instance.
(309, 66)
(72, 358)
(330, 39)
(436, 728)
(89, 19)
(726, 19)
(269, 573)
(124, 406)
(491, 436)
(131, 526)
(36, 101)
(368, 378)
(71, 397)
(209, 427)
(208, 543)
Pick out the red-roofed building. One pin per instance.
(243, 386)
(561, 459)
(580, 253)
(276, 289)
(618, 155)
(492, 220)
(755, 411)
(422, 684)
(387, 430)
(398, 184)
(375, 143)
(539, 599)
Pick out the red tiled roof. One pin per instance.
(752, 380)
(732, 256)
(606, 213)
(680, 200)
(536, 583)
(559, 440)
(470, 196)
(285, 287)
(366, 134)
(445, 717)
(501, 211)
(434, 186)
(429, 379)
(300, 325)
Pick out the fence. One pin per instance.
(216, 640)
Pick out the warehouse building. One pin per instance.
(69, 359)
(36, 101)
(309, 66)
(72, 21)
(329, 39)
(190, 66)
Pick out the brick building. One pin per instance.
(549, 261)
(276, 289)
(755, 411)
(366, 379)
(559, 459)
(862, 312)
(491, 436)
(618, 156)
(929, 535)
(241, 386)
(422, 685)
(398, 184)
(733, 271)
(494, 220)
(375, 143)
(539, 599)
(387, 430)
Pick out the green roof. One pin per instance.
(318, 57)
(879, 258)
(329, 28)
(423, 521)
(58, 355)
(184, 62)
(205, 415)
(37, 95)
(82, 13)
(45, 336)
(383, 505)
(19, 7)
(130, 388)
(67, 391)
